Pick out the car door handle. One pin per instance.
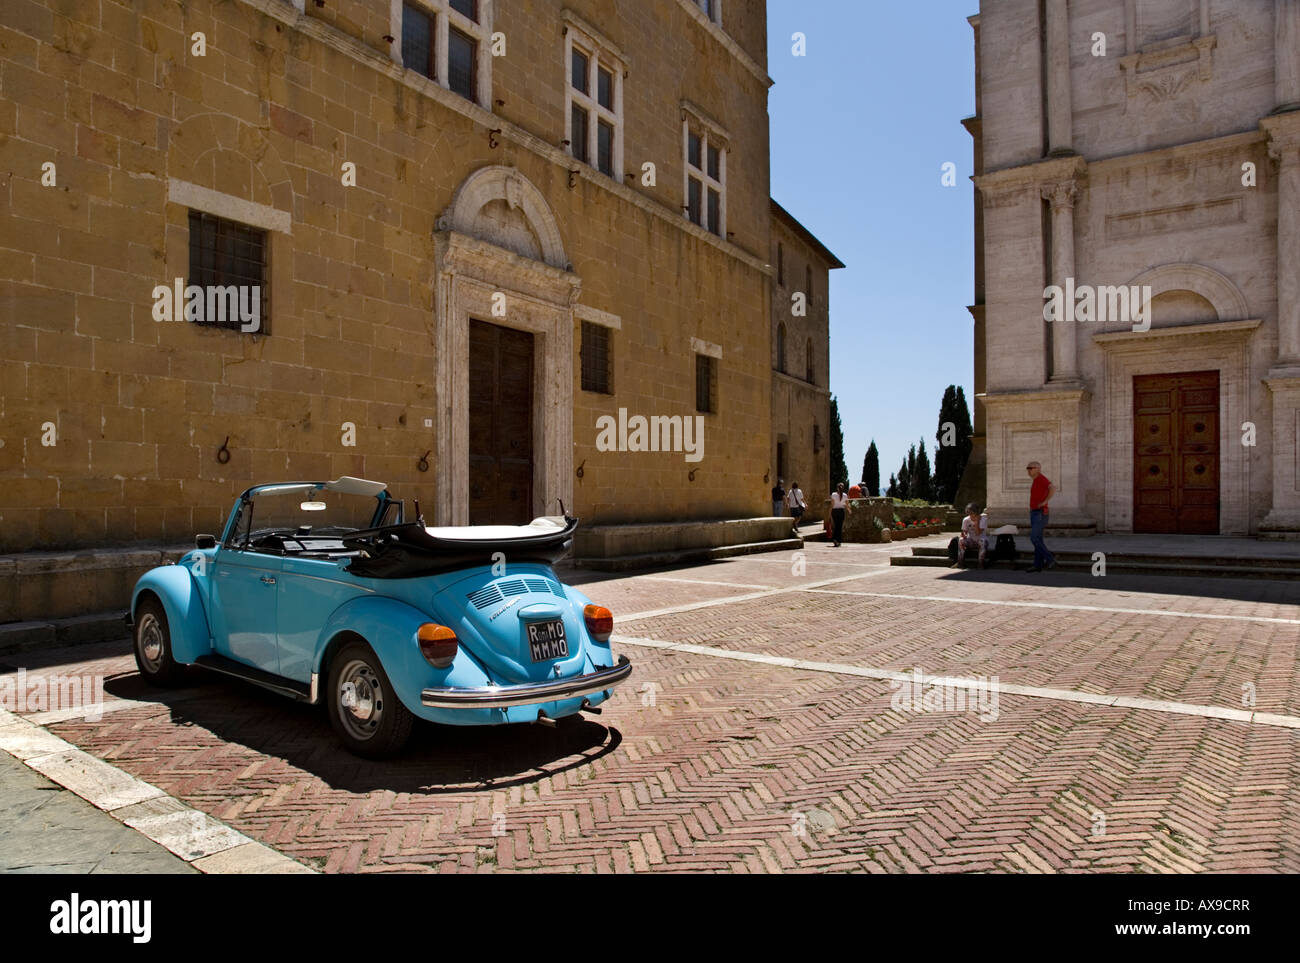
(268, 580)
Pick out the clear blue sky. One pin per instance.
(861, 126)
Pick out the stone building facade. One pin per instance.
(800, 356)
(1150, 145)
(480, 227)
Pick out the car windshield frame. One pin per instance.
(240, 530)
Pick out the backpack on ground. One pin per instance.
(952, 548)
(1004, 549)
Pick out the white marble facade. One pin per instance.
(1118, 143)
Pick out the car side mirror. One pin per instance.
(205, 541)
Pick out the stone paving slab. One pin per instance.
(47, 829)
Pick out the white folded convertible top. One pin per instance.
(538, 527)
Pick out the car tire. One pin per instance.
(364, 710)
(153, 645)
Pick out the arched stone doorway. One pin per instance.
(503, 298)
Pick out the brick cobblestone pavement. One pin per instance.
(708, 763)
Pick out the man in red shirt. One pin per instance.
(1041, 491)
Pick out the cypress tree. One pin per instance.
(839, 471)
(921, 481)
(950, 459)
(871, 470)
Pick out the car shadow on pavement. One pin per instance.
(437, 760)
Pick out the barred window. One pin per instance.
(595, 358)
(705, 382)
(418, 41)
(462, 63)
(228, 258)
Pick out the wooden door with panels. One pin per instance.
(500, 425)
(1176, 453)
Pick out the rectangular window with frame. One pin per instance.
(595, 133)
(418, 33)
(807, 285)
(226, 254)
(780, 264)
(705, 382)
(710, 8)
(706, 190)
(462, 63)
(447, 41)
(596, 358)
(578, 140)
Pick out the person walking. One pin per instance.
(974, 533)
(778, 498)
(794, 498)
(839, 508)
(1041, 491)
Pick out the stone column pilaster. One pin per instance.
(1065, 351)
(1286, 46)
(1059, 117)
(1284, 147)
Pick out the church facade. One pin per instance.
(1137, 172)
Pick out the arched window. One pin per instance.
(780, 347)
(808, 371)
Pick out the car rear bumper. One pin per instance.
(503, 696)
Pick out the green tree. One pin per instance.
(839, 471)
(905, 474)
(922, 483)
(892, 491)
(954, 439)
(871, 470)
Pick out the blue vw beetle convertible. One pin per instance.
(327, 584)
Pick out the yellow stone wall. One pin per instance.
(111, 94)
(801, 408)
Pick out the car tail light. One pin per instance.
(600, 622)
(438, 644)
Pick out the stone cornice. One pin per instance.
(324, 33)
(1047, 392)
(800, 382)
(692, 9)
(1031, 177)
(461, 254)
(570, 18)
(1234, 330)
(1283, 132)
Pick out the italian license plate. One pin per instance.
(546, 640)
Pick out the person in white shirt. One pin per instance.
(974, 534)
(795, 500)
(839, 507)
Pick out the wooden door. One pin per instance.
(1176, 453)
(500, 425)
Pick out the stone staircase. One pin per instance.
(1127, 563)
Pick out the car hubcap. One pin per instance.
(151, 642)
(361, 699)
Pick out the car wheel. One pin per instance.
(364, 710)
(153, 645)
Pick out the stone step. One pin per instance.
(56, 633)
(1145, 558)
(1117, 564)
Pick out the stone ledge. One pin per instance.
(657, 559)
(654, 538)
(57, 633)
(47, 586)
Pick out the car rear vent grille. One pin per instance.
(491, 594)
(485, 596)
